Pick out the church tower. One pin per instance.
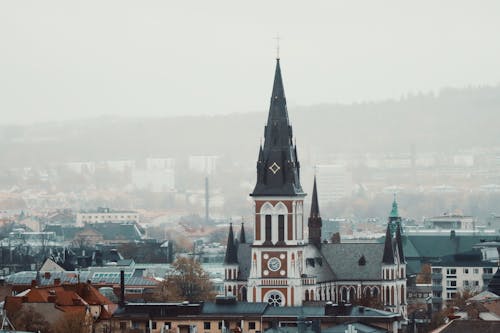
(394, 265)
(278, 246)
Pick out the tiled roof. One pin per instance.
(244, 260)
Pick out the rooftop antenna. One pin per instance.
(277, 45)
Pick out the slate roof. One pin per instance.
(321, 269)
(117, 231)
(344, 259)
(440, 245)
(295, 311)
(244, 260)
(278, 165)
(471, 258)
(359, 328)
(239, 308)
(468, 326)
(419, 249)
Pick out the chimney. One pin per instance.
(122, 289)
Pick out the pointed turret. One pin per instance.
(278, 167)
(399, 243)
(388, 257)
(243, 238)
(231, 251)
(315, 223)
(395, 225)
(394, 211)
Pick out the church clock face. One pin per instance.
(274, 264)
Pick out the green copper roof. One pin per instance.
(394, 210)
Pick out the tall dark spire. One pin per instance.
(231, 251)
(314, 201)
(388, 257)
(278, 167)
(315, 223)
(243, 238)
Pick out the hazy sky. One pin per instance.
(73, 59)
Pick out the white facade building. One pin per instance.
(102, 215)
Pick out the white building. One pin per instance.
(102, 215)
(450, 222)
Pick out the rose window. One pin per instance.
(275, 299)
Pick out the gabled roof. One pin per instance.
(344, 260)
(244, 260)
(50, 265)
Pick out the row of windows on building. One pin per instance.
(453, 271)
(207, 325)
(90, 217)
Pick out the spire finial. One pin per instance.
(277, 46)
(394, 211)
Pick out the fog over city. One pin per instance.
(71, 60)
(164, 163)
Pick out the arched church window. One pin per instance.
(268, 228)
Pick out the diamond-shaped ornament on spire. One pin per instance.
(274, 168)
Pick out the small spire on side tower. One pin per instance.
(315, 222)
(231, 251)
(243, 238)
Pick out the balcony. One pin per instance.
(308, 281)
(274, 282)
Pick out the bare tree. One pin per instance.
(188, 282)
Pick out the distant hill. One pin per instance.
(453, 119)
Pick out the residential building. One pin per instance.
(227, 315)
(460, 272)
(104, 214)
(450, 222)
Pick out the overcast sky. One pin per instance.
(78, 59)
